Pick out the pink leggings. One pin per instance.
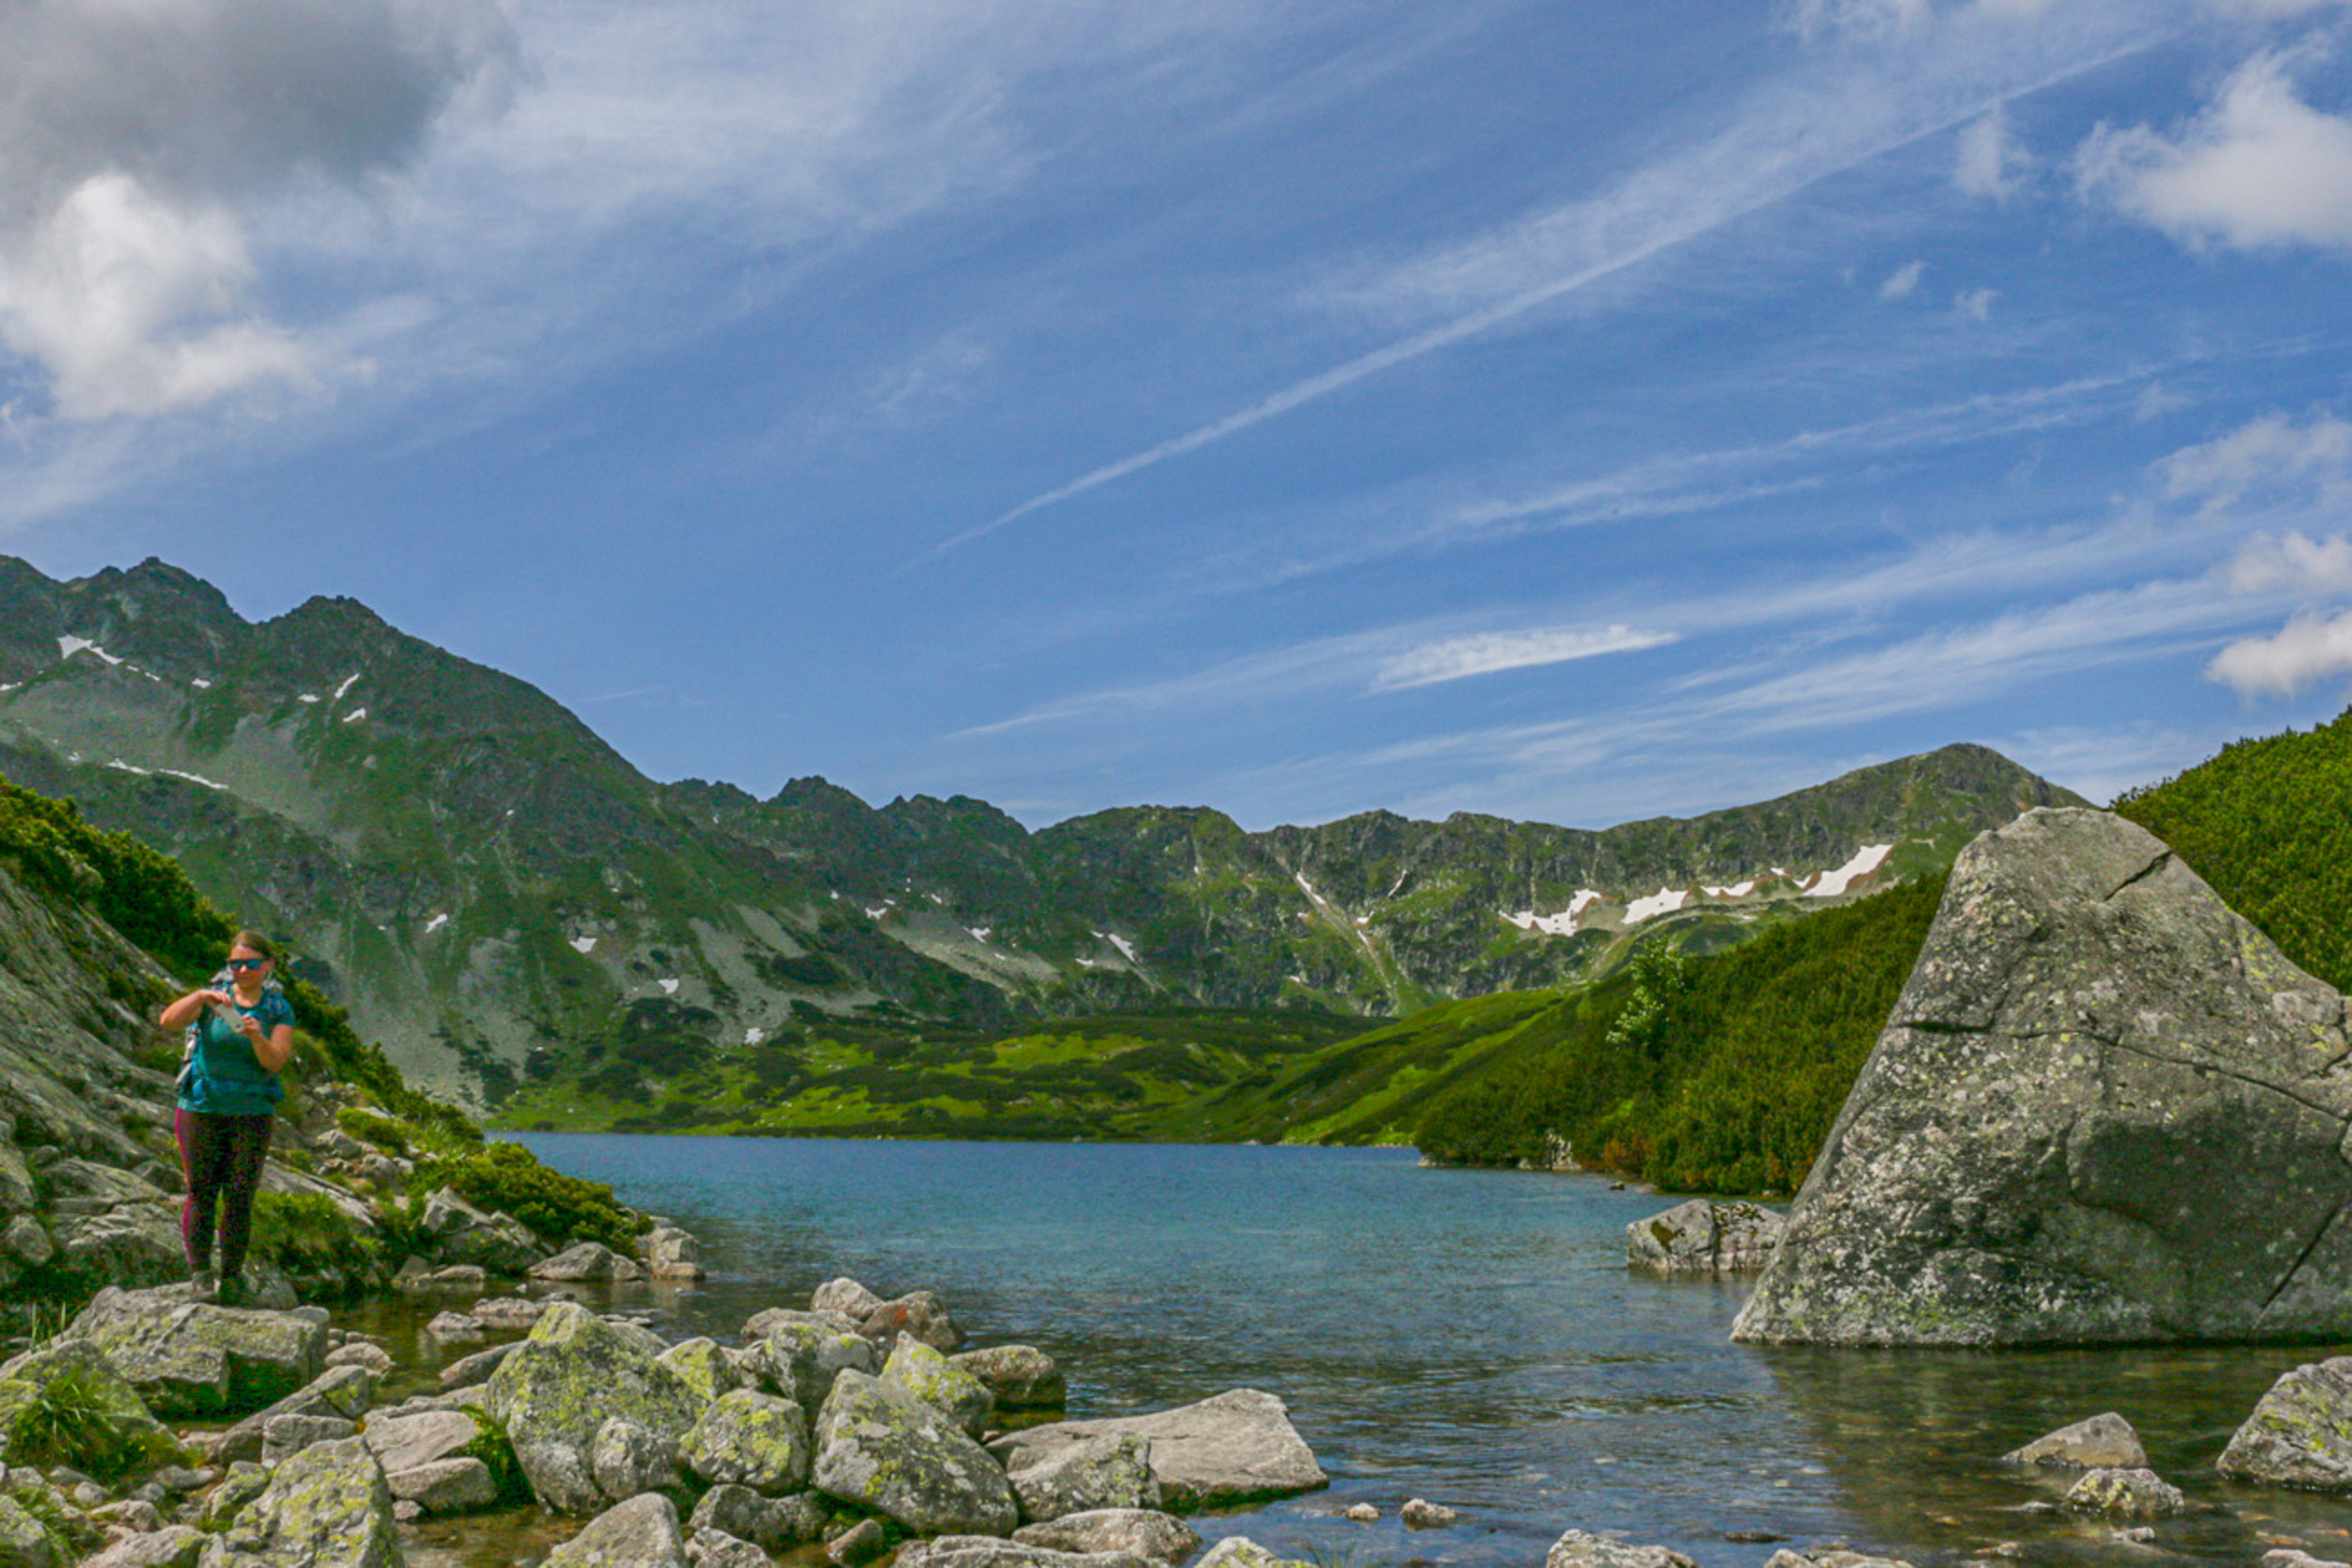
(221, 1157)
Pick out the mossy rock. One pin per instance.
(64, 1404)
(557, 1388)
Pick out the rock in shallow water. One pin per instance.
(642, 1532)
(930, 1376)
(2102, 1442)
(1137, 1532)
(882, 1449)
(1238, 1447)
(987, 1551)
(1020, 1377)
(1704, 1237)
(1578, 1549)
(555, 1391)
(2029, 1155)
(2300, 1435)
(1091, 1474)
(2133, 1494)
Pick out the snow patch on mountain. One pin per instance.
(436, 924)
(1830, 884)
(583, 944)
(68, 647)
(1730, 890)
(1665, 901)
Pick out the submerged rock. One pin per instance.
(1239, 1446)
(2102, 1442)
(1138, 1531)
(882, 1449)
(2300, 1435)
(1704, 1237)
(555, 1392)
(2029, 1155)
(1421, 1514)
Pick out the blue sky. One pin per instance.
(1572, 412)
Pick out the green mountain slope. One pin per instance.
(510, 908)
(2268, 823)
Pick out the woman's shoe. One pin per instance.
(201, 1285)
(233, 1292)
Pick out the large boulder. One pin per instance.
(556, 1390)
(2300, 1435)
(1236, 1448)
(327, 1506)
(931, 1377)
(2105, 1108)
(798, 1354)
(772, 1524)
(465, 1234)
(2101, 1442)
(1704, 1237)
(887, 1451)
(190, 1358)
(746, 1439)
(339, 1393)
(1076, 1477)
(1138, 1531)
(674, 1254)
(113, 1433)
(642, 1532)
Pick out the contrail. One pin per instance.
(1449, 333)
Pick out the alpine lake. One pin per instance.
(1473, 1337)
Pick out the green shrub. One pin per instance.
(307, 1233)
(372, 1127)
(557, 1208)
(71, 1421)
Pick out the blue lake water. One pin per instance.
(1469, 1336)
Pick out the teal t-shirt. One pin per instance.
(224, 1077)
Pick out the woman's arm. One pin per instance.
(270, 1050)
(180, 1013)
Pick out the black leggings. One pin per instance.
(221, 1157)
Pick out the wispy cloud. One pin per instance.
(1787, 140)
(1903, 282)
(1460, 657)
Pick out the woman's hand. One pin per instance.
(179, 1012)
(250, 1028)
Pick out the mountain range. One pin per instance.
(503, 900)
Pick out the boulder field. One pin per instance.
(2105, 1108)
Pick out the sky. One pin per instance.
(1572, 412)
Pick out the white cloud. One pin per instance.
(2265, 458)
(2155, 400)
(1458, 658)
(1870, 20)
(1989, 161)
(140, 136)
(2293, 564)
(2311, 647)
(1901, 283)
(1976, 303)
(2260, 167)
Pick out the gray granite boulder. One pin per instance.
(2030, 1155)
(189, 1358)
(937, 1381)
(772, 1524)
(1239, 1551)
(918, 1313)
(642, 1532)
(1578, 1549)
(555, 1392)
(1236, 1448)
(798, 1354)
(746, 1439)
(444, 1486)
(2133, 1494)
(2300, 1433)
(1137, 1532)
(465, 1234)
(327, 1506)
(711, 1548)
(1106, 1471)
(175, 1547)
(674, 1254)
(1019, 1377)
(1832, 1557)
(26, 1541)
(404, 1442)
(884, 1451)
(988, 1551)
(2102, 1442)
(590, 1261)
(705, 1368)
(1704, 1237)
(845, 1297)
(339, 1393)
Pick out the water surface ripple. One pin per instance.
(1470, 1337)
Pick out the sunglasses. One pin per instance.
(243, 964)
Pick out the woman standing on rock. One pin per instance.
(240, 1033)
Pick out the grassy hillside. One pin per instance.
(1719, 1073)
(2268, 823)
